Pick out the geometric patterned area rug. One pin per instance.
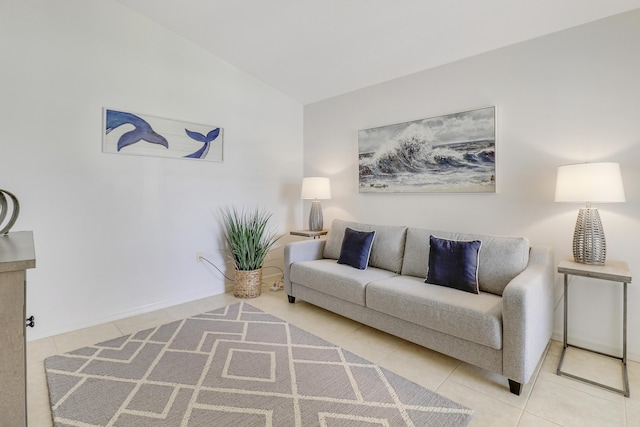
(235, 366)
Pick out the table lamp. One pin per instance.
(316, 188)
(589, 183)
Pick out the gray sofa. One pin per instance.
(505, 328)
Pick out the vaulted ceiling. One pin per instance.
(315, 49)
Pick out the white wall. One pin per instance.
(117, 235)
(573, 96)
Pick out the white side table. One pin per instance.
(614, 271)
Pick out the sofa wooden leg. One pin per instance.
(515, 387)
(293, 299)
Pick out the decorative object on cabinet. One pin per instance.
(249, 241)
(316, 188)
(138, 134)
(590, 183)
(453, 153)
(5, 206)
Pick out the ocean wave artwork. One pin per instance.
(144, 135)
(453, 153)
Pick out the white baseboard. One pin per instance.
(599, 347)
(135, 311)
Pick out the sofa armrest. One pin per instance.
(527, 315)
(307, 250)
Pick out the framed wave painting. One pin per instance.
(453, 153)
(143, 135)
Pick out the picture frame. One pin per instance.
(451, 153)
(129, 133)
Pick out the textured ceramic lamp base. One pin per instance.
(315, 216)
(589, 246)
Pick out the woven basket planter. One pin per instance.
(247, 284)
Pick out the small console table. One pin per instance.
(614, 271)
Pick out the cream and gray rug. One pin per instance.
(236, 366)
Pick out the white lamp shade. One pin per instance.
(316, 188)
(590, 182)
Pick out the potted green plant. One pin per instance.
(249, 240)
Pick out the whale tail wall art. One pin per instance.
(144, 135)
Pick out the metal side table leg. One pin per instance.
(564, 339)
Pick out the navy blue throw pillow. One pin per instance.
(356, 248)
(454, 264)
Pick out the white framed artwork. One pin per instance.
(452, 153)
(144, 135)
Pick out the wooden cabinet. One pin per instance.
(17, 254)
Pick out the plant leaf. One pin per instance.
(247, 236)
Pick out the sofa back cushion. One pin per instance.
(387, 249)
(500, 259)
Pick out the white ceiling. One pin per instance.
(315, 49)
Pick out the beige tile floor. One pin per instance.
(548, 400)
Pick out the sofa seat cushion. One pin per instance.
(473, 317)
(338, 280)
